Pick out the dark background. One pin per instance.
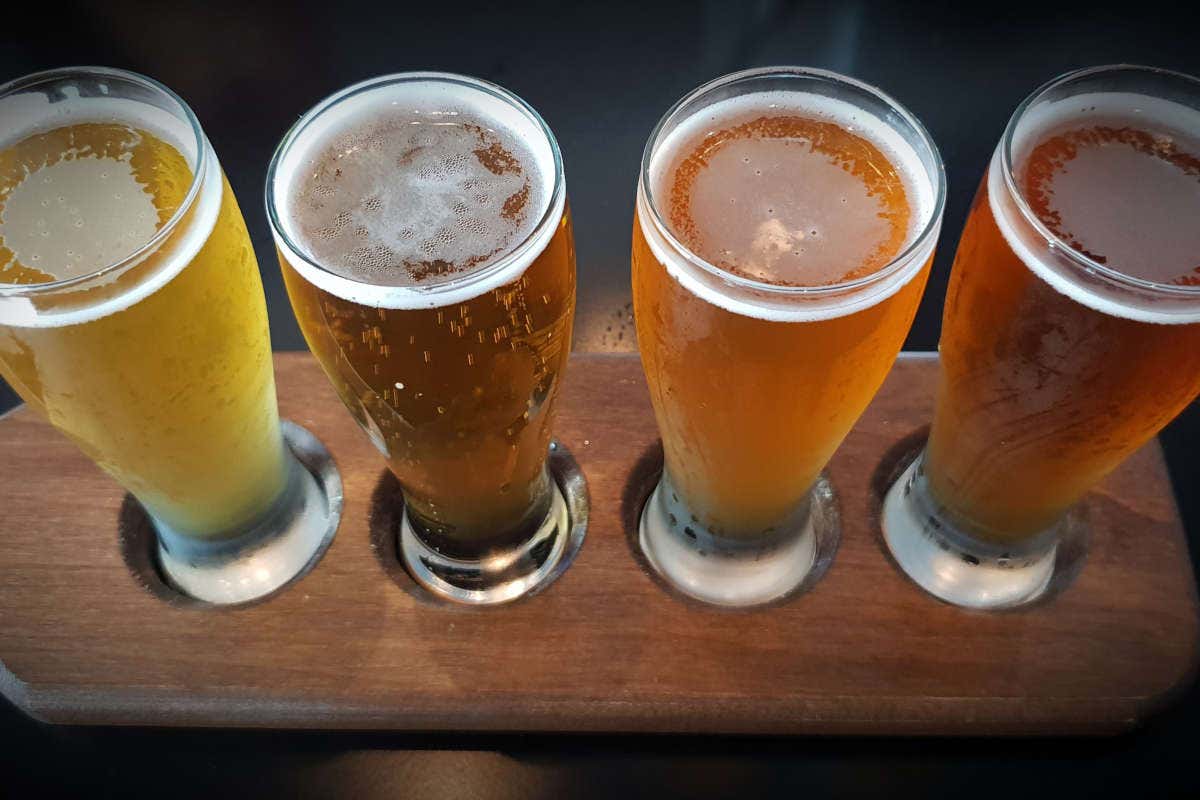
(601, 75)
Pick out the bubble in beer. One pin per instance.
(433, 195)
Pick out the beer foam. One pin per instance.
(1136, 110)
(797, 307)
(31, 113)
(460, 219)
(57, 220)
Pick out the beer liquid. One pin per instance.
(752, 401)
(1050, 380)
(1127, 197)
(456, 389)
(789, 200)
(162, 373)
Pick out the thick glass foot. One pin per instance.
(953, 566)
(503, 576)
(728, 572)
(276, 551)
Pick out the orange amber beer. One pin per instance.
(783, 238)
(1071, 333)
(426, 245)
(132, 317)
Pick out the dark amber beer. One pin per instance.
(783, 238)
(426, 246)
(1072, 325)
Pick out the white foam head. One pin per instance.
(822, 302)
(29, 113)
(418, 220)
(1062, 268)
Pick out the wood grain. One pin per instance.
(606, 648)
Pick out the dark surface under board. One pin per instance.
(602, 74)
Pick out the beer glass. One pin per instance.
(423, 232)
(132, 317)
(1071, 332)
(786, 220)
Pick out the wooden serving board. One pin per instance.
(354, 644)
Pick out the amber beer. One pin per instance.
(1071, 333)
(427, 250)
(132, 315)
(783, 238)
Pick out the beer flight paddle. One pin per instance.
(608, 646)
(742, 530)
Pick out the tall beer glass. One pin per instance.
(1071, 333)
(132, 317)
(423, 233)
(786, 220)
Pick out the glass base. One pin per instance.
(281, 548)
(953, 566)
(506, 575)
(733, 573)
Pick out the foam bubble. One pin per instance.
(408, 193)
(855, 119)
(32, 113)
(1136, 110)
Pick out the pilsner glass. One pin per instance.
(786, 220)
(1071, 333)
(424, 237)
(132, 317)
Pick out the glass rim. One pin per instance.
(1052, 240)
(930, 227)
(519, 251)
(51, 75)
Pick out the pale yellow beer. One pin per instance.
(132, 317)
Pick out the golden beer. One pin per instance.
(427, 249)
(132, 313)
(459, 398)
(782, 241)
(1071, 333)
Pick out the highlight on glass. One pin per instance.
(424, 236)
(786, 220)
(132, 317)
(1071, 333)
